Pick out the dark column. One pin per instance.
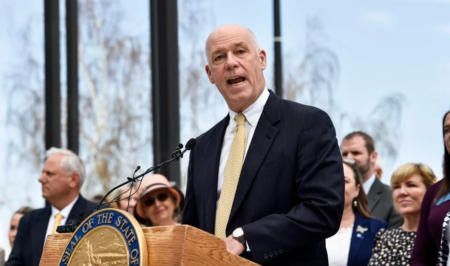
(72, 75)
(52, 71)
(278, 77)
(165, 87)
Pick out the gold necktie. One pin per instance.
(58, 218)
(231, 177)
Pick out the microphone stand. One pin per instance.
(176, 155)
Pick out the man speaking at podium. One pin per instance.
(61, 180)
(268, 178)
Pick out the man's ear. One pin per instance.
(263, 58)
(373, 157)
(74, 180)
(208, 72)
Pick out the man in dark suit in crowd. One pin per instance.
(360, 147)
(61, 180)
(268, 178)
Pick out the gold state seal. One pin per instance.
(107, 237)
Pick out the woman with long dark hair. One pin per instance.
(352, 244)
(431, 245)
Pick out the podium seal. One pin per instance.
(107, 237)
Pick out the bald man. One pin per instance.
(268, 178)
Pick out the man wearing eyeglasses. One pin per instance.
(360, 147)
(268, 178)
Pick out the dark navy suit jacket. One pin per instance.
(362, 243)
(29, 242)
(290, 194)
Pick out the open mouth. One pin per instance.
(236, 81)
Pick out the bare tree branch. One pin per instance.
(313, 80)
(114, 77)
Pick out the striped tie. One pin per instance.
(231, 177)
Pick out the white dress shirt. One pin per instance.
(252, 115)
(368, 184)
(65, 213)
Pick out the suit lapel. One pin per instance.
(262, 140)
(39, 233)
(78, 210)
(210, 173)
(375, 194)
(358, 238)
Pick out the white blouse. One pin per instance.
(338, 246)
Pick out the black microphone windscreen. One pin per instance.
(190, 144)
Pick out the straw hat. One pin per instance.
(152, 183)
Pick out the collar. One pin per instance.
(66, 211)
(253, 112)
(443, 199)
(368, 184)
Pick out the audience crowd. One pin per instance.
(406, 223)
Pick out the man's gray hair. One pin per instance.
(70, 163)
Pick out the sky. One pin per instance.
(383, 47)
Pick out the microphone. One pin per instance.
(137, 169)
(70, 226)
(191, 144)
(176, 155)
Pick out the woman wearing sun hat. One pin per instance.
(160, 203)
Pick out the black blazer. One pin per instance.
(290, 194)
(29, 242)
(381, 204)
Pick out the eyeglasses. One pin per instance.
(161, 197)
(348, 160)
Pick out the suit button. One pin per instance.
(275, 253)
(265, 255)
(271, 254)
(280, 251)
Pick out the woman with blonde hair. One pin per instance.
(409, 184)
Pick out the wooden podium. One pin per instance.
(166, 245)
